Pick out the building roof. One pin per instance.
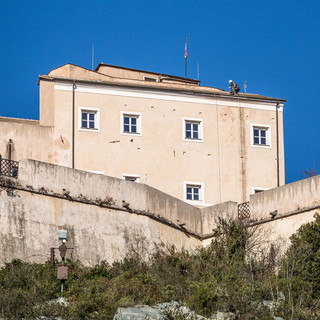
(127, 77)
(102, 65)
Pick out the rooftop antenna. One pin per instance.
(198, 71)
(92, 56)
(245, 86)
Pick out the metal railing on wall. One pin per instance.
(9, 168)
(244, 210)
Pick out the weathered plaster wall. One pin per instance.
(292, 205)
(293, 196)
(48, 197)
(30, 224)
(95, 186)
(30, 140)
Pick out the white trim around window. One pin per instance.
(131, 177)
(96, 172)
(257, 190)
(89, 119)
(131, 123)
(193, 192)
(260, 135)
(192, 129)
(151, 79)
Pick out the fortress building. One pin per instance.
(198, 144)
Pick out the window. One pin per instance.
(131, 177)
(261, 136)
(89, 119)
(193, 191)
(192, 129)
(258, 190)
(131, 123)
(150, 79)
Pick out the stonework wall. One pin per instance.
(108, 218)
(292, 205)
(30, 224)
(293, 196)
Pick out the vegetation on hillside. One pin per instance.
(229, 275)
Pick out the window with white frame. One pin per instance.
(131, 123)
(89, 119)
(261, 135)
(150, 79)
(131, 177)
(257, 190)
(193, 192)
(192, 129)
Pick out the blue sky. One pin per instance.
(273, 45)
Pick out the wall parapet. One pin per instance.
(288, 198)
(109, 213)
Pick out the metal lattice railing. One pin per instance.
(244, 210)
(9, 168)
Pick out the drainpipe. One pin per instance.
(9, 146)
(73, 113)
(277, 129)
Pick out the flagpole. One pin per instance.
(186, 68)
(185, 57)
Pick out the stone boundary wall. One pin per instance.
(281, 211)
(30, 220)
(285, 199)
(135, 196)
(106, 217)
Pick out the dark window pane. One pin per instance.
(188, 134)
(195, 135)
(256, 133)
(126, 128)
(189, 190)
(263, 133)
(189, 196)
(263, 141)
(126, 120)
(84, 124)
(91, 116)
(195, 127)
(134, 120)
(256, 140)
(133, 129)
(84, 115)
(188, 126)
(91, 124)
(131, 178)
(196, 197)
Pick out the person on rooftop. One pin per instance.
(234, 88)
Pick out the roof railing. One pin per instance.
(9, 168)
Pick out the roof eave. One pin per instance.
(179, 90)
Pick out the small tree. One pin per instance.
(300, 272)
(309, 173)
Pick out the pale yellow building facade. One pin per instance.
(198, 144)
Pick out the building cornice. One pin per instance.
(194, 91)
(18, 120)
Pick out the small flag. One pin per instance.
(185, 48)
